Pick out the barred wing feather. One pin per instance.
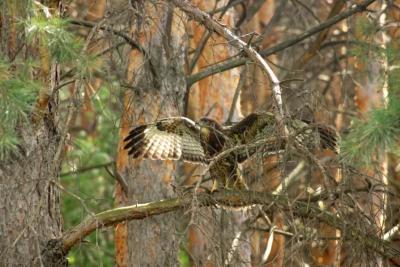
(171, 138)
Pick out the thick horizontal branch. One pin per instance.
(236, 62)
(226, 198)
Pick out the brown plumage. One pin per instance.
(171, 138)
(179, 138)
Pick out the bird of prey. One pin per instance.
(207, 142)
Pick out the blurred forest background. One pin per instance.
(77, 75)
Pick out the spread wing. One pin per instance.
(252, 125)
(250, 129)
(171, 138)
(259, 125)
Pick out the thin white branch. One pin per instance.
(234, 246)
(269, 245)
(292, 177)
(389, 234)
(44, 8)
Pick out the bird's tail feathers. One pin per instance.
(329, 137)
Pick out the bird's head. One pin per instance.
(209, 123)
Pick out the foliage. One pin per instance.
(86, 192)
(52, 33)
(94, 187)
(367, 138)
(17, 94)
(364, 27)
(379, 133)
(93, 135)
(18, 85)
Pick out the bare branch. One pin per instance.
(233, 248)
(291, 178)
(87, 168)
(120, 179)
(279, 11)
(241, 83)
(269, 245)
(129, 40)
(316, 45)
(389, 234)
(203, 41)
(229, 5)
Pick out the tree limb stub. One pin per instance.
(227, 198)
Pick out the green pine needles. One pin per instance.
(19, 81)
(17, 94)
(53, 34)
(369, 138)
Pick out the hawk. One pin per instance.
(209, 143)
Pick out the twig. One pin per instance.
(275, 18)
(74, 100)
(290, 178)
(321, 168)
(203, 41)
(233, 248)
(229, 5)
(277, 231)
(269, 245)
(241, 83)
(120, 179)
(322, 35)
(389, 234)
(129, 40)
(309, 10)
(62, 188)
(87, 168)
(252, 9)
(110, 48)
(64, 84)
(265, 142)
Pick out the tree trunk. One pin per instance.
(29, 207)
(160, 77)
(211, 232)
